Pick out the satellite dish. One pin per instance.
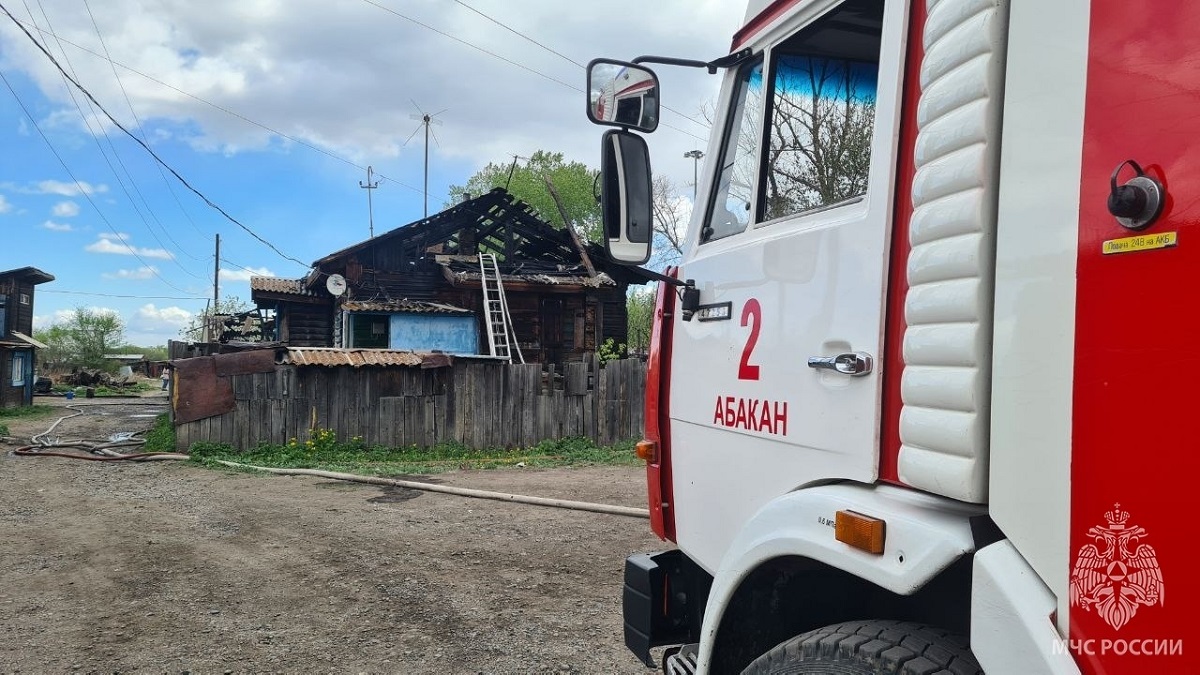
(335, 284)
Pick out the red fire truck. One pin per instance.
(918, 393)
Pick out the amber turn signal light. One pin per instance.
(862, 532)
(646, 451)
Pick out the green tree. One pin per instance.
(83, 339)
(639, 307)
(526, 179)
(58, 348)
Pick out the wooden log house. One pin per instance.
(418, 287)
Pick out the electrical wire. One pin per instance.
(473, 46)
(521, 65)
(117, 295)
(574, 62)
(71, 175)
(227, 111)
(99, 133)
(137, 121)
(139, 141)
(521, 35)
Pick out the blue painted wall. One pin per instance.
(453, 334)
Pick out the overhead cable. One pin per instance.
(142, 143)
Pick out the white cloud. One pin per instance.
(154, 319)
(118, 245)
(245, 274)
(5, 206)
(147, 272)
(54, 187)
(66, 209)
(263, 60)
(65, 315)
(57, 227)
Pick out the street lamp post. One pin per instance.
(695, 156)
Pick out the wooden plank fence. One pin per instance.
(478, 404)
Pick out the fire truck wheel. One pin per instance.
(870, 648)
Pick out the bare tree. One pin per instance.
(820, 137)
(671, 214)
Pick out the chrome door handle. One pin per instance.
(855, 364)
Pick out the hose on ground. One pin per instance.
(39, 451)
(107, 454)
(462, 492)
(78, 412)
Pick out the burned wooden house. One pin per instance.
(421, 287)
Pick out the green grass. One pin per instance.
(161, 437)
(33, 411)
(324, 452)
(27, 411)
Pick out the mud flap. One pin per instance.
(663, 601)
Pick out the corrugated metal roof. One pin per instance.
(473, 277)
(276, 285)
(415, 306)
(355, 358)
(25, 338)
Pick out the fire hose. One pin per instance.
(105, 453)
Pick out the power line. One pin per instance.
(139, 141)
(240, 267)
(137, 121)
(576, 63)
(227, 111)
(521, 35)
(99, 132)
(473, 46)
(117, 295)
(85, 194)
(523, 66)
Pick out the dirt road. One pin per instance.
(168, 568)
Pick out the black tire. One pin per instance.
(870, 648)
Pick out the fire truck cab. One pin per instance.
(918, 398)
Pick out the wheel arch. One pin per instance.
(786, 573)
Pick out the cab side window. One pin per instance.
(732, 200)
(822, 112)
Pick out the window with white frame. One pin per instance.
(798, 137)
(19, 363)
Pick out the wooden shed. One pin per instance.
(17, 349)
(420, 287)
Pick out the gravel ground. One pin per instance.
(164, 567)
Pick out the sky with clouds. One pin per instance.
(271, 110)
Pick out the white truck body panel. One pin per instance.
(819, 281)
(1040, 168)
(1011, 632)
(925, 535)
(948, 308)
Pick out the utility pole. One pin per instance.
(368, 186)
(695, 156)
(425, 119)
(211, 323)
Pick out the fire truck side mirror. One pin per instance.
(622, 94)
(625, 197)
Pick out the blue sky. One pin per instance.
(273, 110)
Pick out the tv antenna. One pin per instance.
(368, 186)
(425, 119)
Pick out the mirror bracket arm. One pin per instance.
(689, 295)
(727, 61)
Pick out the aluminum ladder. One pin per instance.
(502, 340)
